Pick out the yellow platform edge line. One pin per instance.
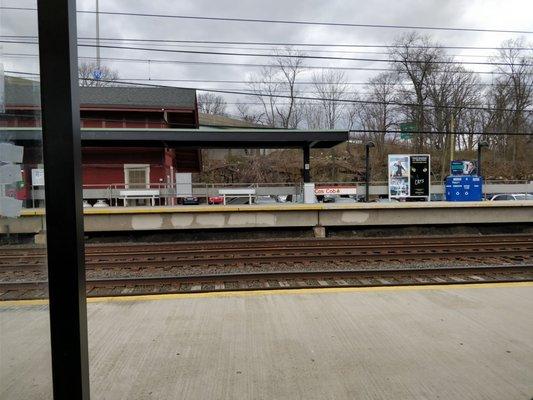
(258, 293)
(284, 207)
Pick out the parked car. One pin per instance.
(512, 196)
(215, 200)
(264, 200)
(330, 198)
(190, 201)
(385, 200)
(345, 200)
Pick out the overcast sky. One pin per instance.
(491, 14)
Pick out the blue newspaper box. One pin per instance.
(464, 188)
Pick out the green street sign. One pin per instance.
(406, 129)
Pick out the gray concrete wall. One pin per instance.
(284, 215)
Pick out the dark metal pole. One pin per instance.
(367, 169)
(367, 173)
(307, 160)
(479, 159)
(64, 212)
(480, 145)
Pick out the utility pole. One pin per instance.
(367, 169)
(480, 145)
(452, 138)
(97, 37)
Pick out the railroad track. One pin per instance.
(243, 265)
(264, 252)
(277, 280)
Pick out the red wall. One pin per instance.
(105, 166)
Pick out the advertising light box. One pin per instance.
(463, 167)
(409, 175)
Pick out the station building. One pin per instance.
(140, 137)
(111, 108)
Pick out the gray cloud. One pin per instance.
(406, 12)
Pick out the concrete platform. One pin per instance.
(454, 342)
(281, 215)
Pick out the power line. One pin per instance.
(287, 43)
(232, 64)
(276, 82)
(325, 99)
(260, 94)
(282, 82)
(296, 56)
(201, 46)
(255, 65)
(289, 22)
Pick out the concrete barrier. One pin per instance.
(282, 216)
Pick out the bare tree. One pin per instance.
(279, 80)
(210, 103)
(414, 58)
(90, 75)
(331, 87)
(450, 90)
(512, 90)
(313, 115)
(380, 114)
(244, 113)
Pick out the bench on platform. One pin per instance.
(139, 194)
(240, 192)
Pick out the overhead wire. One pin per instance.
(290, 44)
(289, 22)
(273, 95)
(353, 101)
(256, 65)
(295, 56)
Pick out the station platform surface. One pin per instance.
(431, 342)
(120, 219)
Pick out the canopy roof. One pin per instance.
(205, 139)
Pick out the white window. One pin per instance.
(136, 176)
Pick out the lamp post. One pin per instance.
(367, 168)
(480, 145)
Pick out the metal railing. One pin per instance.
(203, 190)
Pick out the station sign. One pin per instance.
(10, 153)
(10, 173)
(37, 177)
(463, 167)
(406, 130)
(335, 190)
(183, 184)
(409, 175)
(10, 176)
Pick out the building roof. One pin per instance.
(151, 97)
(195, 138)
(19, 92)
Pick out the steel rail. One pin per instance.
(143, 258)
(285, 242)
(280, 280)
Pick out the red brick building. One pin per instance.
(114, 107)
